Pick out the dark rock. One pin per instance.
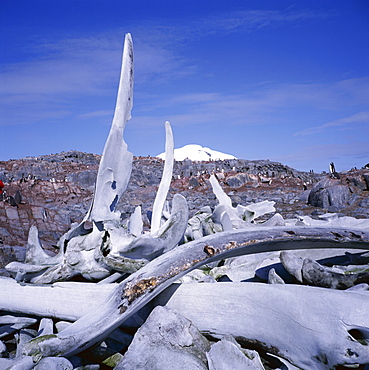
(304, 196)
(9, 254)
(194, 182)
(333, 209)
(366, 179)
(238, 180)
(85, 179)
(329, 192)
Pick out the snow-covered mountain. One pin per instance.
(196, 152)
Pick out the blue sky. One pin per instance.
(281, 80)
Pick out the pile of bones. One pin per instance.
(193, 280)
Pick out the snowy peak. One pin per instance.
(196, 152)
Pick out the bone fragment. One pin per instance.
(227, 354)
(10, 324)
(274, 278)
(22, 337)
(57, 363)
(292, 264)
(240, 216)
(46, 327)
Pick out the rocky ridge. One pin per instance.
(56, 190)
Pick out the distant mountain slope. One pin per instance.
(196, 152)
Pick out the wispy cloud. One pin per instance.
(59, 72)
(265, 105)
(251, 20)
(361, 118)
(98, 113)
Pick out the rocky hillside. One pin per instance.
(55, 190)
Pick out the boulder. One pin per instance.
(238, 180)
(194, 182)
(84, 179)
(329, 192)
(167, 341)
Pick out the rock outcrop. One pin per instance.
(350, 190)
(56, 190)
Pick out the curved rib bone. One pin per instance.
(165, 180)
(140, 287)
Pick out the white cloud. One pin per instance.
(59, 72)
(263, 106)
(342, 123)
(250, 20)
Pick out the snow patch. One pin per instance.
(196, 152)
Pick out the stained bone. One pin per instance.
(316, 274)
(24, 336)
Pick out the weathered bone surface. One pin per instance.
(316, 274)
(63, 300)
(313, 328)
(140, 287)
(164, 185)
(116, 162)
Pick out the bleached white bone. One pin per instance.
(240, 216)
(313, 328)
(116, 162)
(165, 180)
(140, 287)
(63, 300)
